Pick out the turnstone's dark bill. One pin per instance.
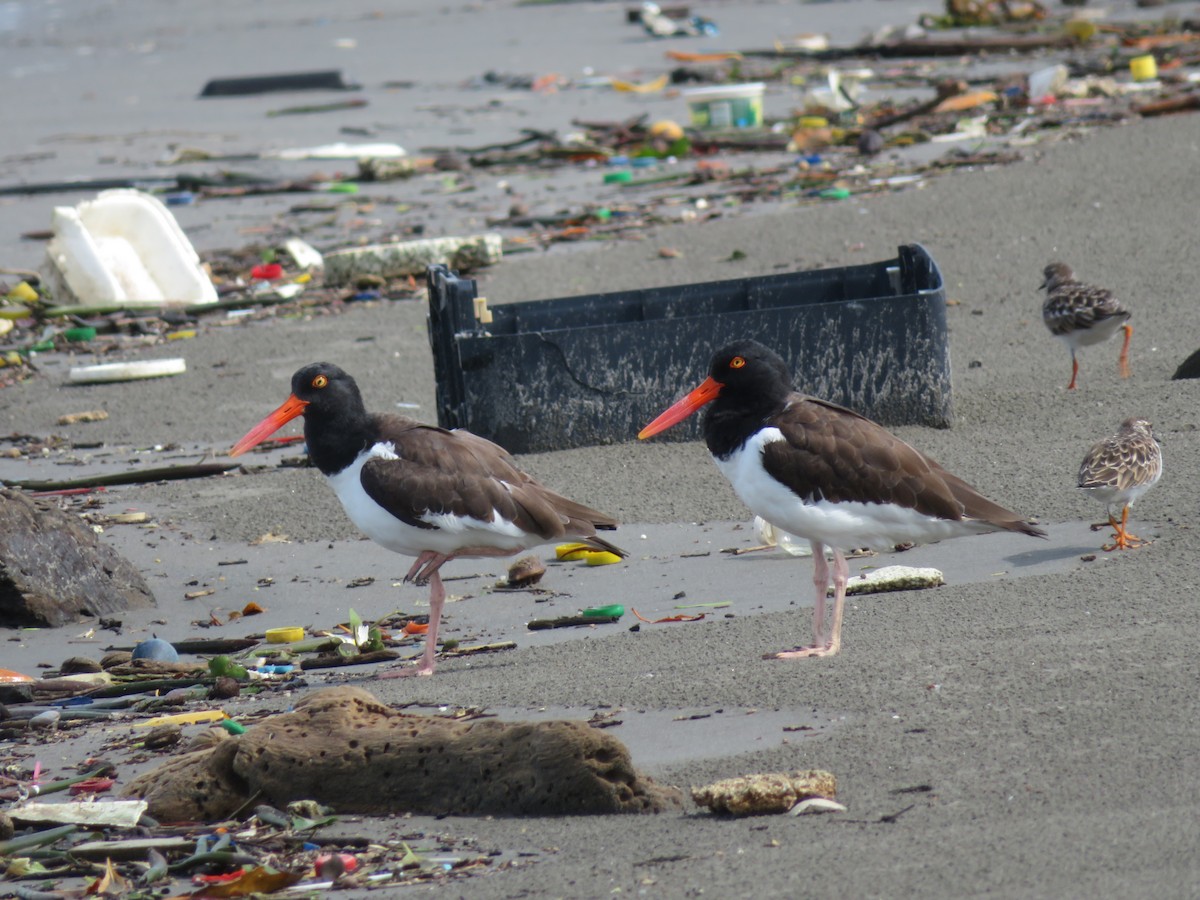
(1083, 315)
(1118, 470)
(424, 491)
(826, 474)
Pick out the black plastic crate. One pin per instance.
(579, 371)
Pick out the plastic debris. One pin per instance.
(128, 371)
(117, 813)
(341, 151)
(156, 649)
(323, 80)
(412, 257)
(285, 635)
(894, 578)
(123, 248)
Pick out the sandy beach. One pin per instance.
(1027, 730)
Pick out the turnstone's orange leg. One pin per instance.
(1123, 360)
(1122, 539)
(822, 645)
(1074, 371)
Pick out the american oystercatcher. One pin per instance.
(824, 473)
(1082, 315)
(424, 491)
(1118, 470)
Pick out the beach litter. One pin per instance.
(123, 247)
(833, 122)
(894, 578)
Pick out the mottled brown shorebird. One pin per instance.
(1082, 315)
(824, 473)
(1118, 470)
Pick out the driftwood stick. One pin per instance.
(142, 476)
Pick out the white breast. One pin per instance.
(450, 533)
(844, 525)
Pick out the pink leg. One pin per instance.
(437, 599)
(821, 581)
(822, 645)
(1074, 371)
(425, 571)
(427, 563)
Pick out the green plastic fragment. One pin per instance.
(604, 611)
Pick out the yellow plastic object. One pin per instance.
(192, 718)
(286, 635)
(571, 552)
(23, 292)
(1143, 68)
(1081, 29)
(667, 129)
(649, 87)
(602, 558)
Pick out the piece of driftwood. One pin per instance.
(142, 476)
(53, 568)
(1178, 103)
(333, 661)
(343, 748)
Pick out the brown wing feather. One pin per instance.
(836, 454)
(459, 473)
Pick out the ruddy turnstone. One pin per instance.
(1118, 470)
(826, 474)
(424, 491)
(1082, 315)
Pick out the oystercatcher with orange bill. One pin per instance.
(822, 472)
(421, 490)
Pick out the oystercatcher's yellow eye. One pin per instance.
(320, 381)
(736, 363)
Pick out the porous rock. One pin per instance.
(53, 569)
(772, 792)
(344, 748)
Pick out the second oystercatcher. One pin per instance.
(1082, 315)
(421, 490)
(822, 472)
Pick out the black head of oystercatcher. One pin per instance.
(822, 472)
(1082, 315)
(421, 490)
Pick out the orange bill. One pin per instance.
(292, 407)
(704, 394)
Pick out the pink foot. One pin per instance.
(801, 653)
(398, 672)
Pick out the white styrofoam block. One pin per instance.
(124, 248)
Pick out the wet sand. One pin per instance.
(1009, 734)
